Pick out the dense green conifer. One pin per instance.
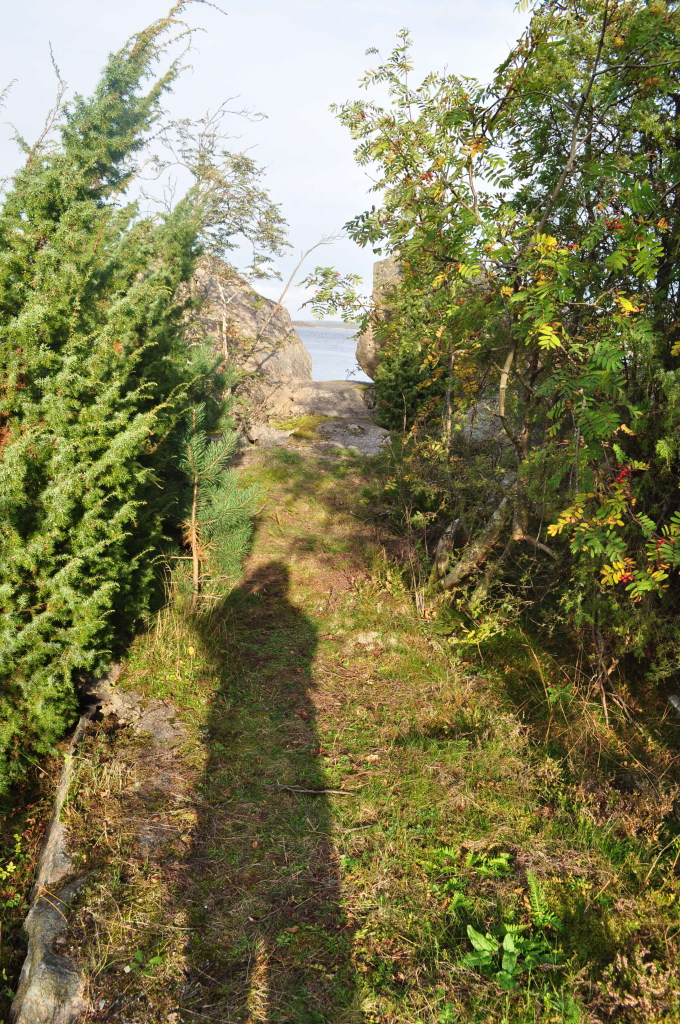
(97, 386)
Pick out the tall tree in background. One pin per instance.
(98, 383)
(536, 223)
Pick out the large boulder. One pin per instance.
(339, 398)
(249, 329)
(385, 278)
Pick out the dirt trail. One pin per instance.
(346, 801)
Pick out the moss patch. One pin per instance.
(304, 428)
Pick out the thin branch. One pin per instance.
(502, 395)
(475, 197)
(5, 90)
(577, 121)
(528, 539)
(326, 240)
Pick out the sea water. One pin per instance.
(333, 353)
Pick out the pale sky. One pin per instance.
(289, 59)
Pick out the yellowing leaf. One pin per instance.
(548, 337)
(626, 306)
(545, 243)
(475, 146)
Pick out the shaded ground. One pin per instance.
(265, 823)
(234, 896)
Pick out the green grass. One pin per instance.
(266, 903)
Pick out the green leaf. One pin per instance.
(484, 943)
(509, 962)
(506, 981)
(616, 260)
(478, 959)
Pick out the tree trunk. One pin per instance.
(454, 536)
(479, 551)
(195, 558)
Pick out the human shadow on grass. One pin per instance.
(270, 940)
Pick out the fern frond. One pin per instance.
(541, 914)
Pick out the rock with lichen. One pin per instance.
(250, 330)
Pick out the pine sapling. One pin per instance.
(217, 524)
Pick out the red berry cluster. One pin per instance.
(428, 176)
(615, 225)
(625, 472)
(627, 577)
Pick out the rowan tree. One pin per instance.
(536, 223)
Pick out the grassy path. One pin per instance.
(347, 803)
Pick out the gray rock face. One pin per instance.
(385, 277)
(348, 408)
(51, 990)
(364, 437)
(268, 437)
(321, 398)
(251, 330)
(481, 426)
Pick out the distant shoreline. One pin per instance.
(322, 325)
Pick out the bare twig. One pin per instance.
(575, 142)
(326, 240)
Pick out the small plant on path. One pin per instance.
(511, 950)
